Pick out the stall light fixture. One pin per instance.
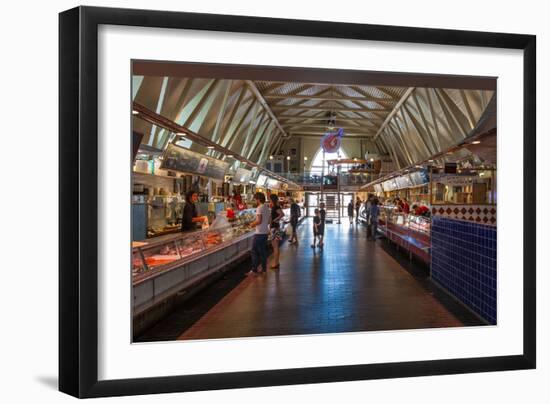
(288, 157)
(371, 159)
(476, 142)
(229, 155)
(134, 112)
(209, 147)
(271, 157)
(355, 159)
(305, 158)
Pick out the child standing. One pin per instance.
(317, 229)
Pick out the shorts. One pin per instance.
(277, 234)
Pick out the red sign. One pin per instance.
(332, 141)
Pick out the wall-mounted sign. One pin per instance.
(260, 182)
(203, 164)
(242, 176)
(451, 179)
(419, 177)
(271, 183)
(389, 185)
(403, 181)
(180, 159)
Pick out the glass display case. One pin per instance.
(390, 216)
(410, 232)
(170, 251)
(420, 224)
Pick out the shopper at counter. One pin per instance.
(374, 213)
(368, 204)
(276, 233)
(259, 243)
(350, 212)
(190, 216)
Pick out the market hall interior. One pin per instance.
(397, 171)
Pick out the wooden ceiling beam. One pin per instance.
(372, 128)
(326, 108)
(319, 136)
(330, 98)
(324, 118)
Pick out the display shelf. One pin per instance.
(168, 252)
(408, 231)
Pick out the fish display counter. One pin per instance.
(411, 232)
(168, 265)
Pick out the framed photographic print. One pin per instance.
(252, 202)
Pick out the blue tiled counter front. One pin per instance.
(464, 262)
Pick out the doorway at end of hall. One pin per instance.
(334, 202)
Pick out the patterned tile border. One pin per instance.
(485, 214)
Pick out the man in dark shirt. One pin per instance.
(190, 216)
(294, 217)
(374, 213)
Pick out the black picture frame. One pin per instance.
(78, 207)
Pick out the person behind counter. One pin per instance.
(405, 206)
(238, 200)
(421, 210)
(190, 216)
(259, 243)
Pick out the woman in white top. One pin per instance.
(259, 243)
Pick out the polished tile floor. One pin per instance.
(351, 285)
